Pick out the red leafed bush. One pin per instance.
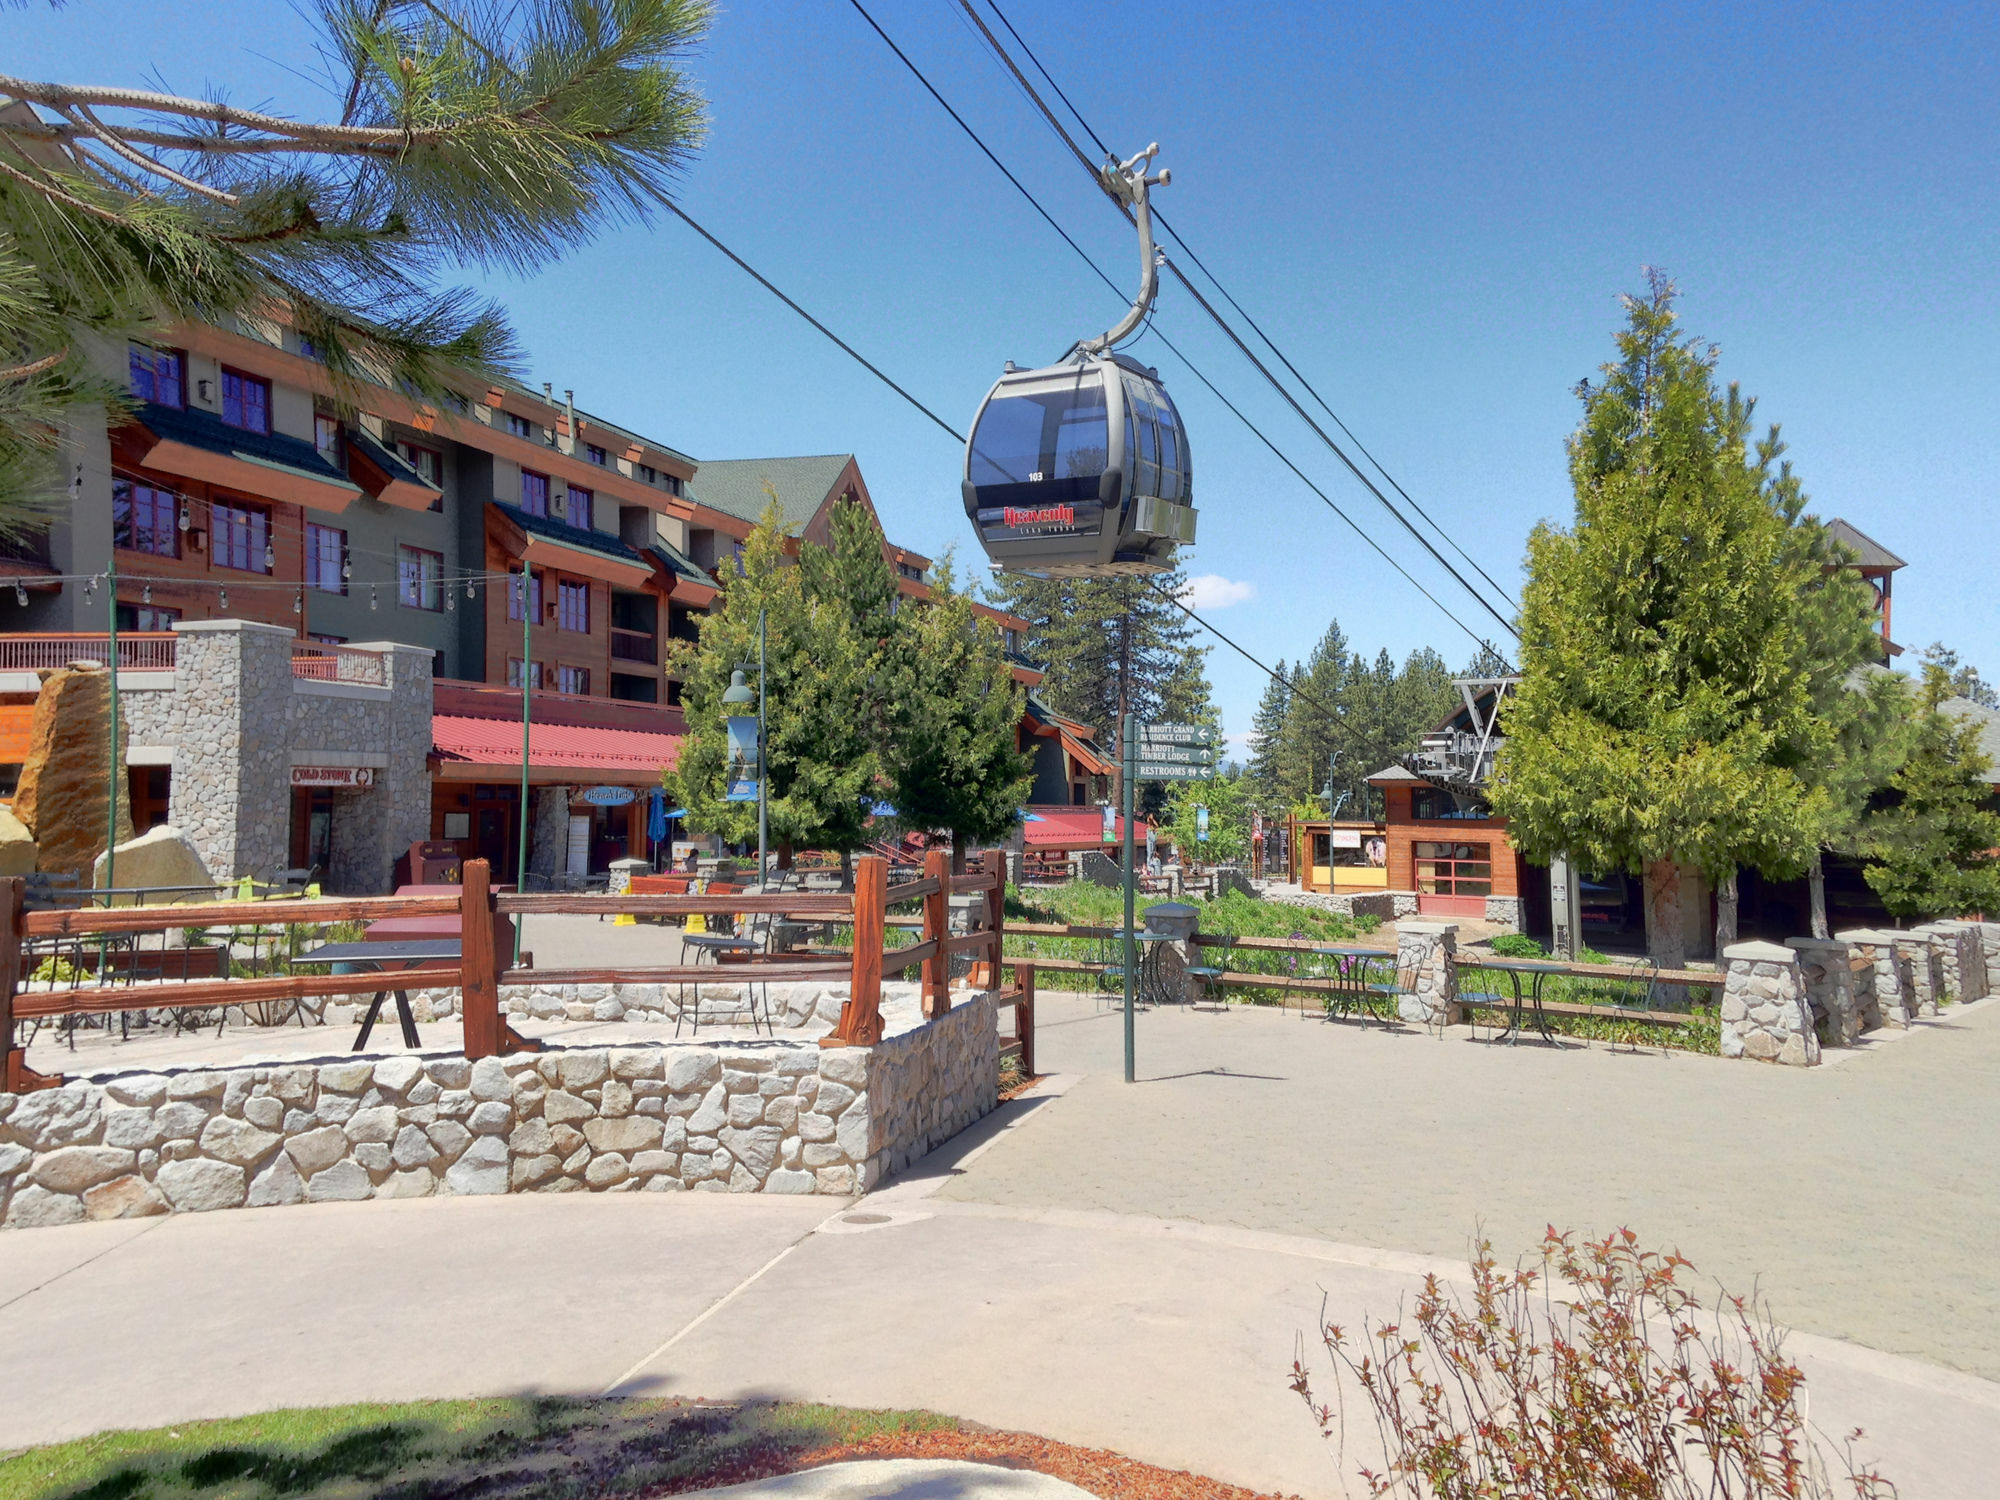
(1595, 1374)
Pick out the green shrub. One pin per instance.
(1517, 945)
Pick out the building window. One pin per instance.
(1013, 640)
(573, 606)
(326, 438)
(428, 462)
(242, 536)
(534, 493)
(1454, 869)
(578, 507)
(326, 554)
(418, 575)
(246, 401)
(514, 673)
(159, 375)
(594, 453)
(573, 680)
(519, 426)
(534, 598)
(309, 350)
(143, 518)
(325, 640)
(648, 473)
(673, 484)
(145, 617)
(1432, 804)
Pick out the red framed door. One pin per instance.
(1453, 879)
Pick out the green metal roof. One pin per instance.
(737, 486)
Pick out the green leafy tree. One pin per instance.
(482, 134)
(822, 767)
(1661, 720)
(952, 714)
(1931, 849)
(1228, 800)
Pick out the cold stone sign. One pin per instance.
(333, 777)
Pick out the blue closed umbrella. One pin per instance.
(656, 816)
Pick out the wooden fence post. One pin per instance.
(861, 1014)
(15, 1077)
(479, 991)
(996, 915)
(937, 928)
(1024, 1015)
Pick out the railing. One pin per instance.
(315, 662)
(137, 652)
(479, 973)
(633, 645)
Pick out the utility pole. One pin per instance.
(527, 676)
(1128, 757)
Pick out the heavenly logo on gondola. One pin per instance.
(1038, 515)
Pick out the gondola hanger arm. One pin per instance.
(1129, 185)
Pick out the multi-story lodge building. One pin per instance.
(239, 487)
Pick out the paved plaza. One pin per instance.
(1125, 1267)
(1859, 1196)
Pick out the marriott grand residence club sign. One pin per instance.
(333, 778)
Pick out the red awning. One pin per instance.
(1076, 828)
(466, 748)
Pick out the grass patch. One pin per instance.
(505, 1449)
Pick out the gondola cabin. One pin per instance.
(1080, 470)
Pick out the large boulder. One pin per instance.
(17, 845)
(162, 856)
(61, 795)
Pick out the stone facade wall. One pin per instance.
(1766, 1013)
(776, 1116)
(1390, 906)
(1504, 911)
(238, 720)
(1830, 989)
(1989, 942)
(1424, 961)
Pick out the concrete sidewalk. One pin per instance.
(1169, 1341)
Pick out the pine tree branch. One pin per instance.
(81, 117)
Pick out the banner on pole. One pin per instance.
(740, 779)
(1110, 824)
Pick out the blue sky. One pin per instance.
(1432, 208)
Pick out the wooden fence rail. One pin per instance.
(480, 971)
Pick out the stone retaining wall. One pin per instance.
(1388, 905)
(776, 1116)
(1830, 988)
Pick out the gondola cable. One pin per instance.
(1255, 326)
(1083, 158)
(987, 151)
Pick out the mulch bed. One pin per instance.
(1096, 1470)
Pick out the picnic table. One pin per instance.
(399, 955)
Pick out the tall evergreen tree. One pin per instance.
(495, 135)
(1095, 633)
(1661, 718)
(1264, 784)
(1931, 848)
(1315, 743)
(952, 712)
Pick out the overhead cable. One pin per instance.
(1256, 431)
(1277, 385)
(1216, 281)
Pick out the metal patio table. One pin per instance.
(1350, 972)
(1514, 968)
(408, 955)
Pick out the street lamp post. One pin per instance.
(736, 696)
